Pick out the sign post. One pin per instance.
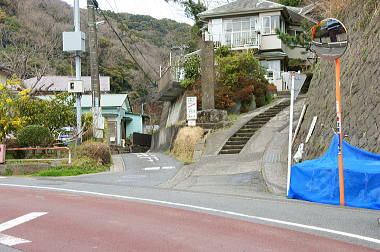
(191, 109)
(294, 81)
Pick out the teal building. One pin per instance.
(117, 111)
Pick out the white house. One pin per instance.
(252, 24)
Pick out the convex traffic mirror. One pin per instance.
(329, 39)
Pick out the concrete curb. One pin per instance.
(117, 164)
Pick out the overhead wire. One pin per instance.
(120, 21)
(124, 46)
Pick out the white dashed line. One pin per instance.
(152, 168)
(168, 167)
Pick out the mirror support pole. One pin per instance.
(339, 130)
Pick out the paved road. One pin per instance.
(91, 203)
(126, 210)
(140, 169)
(76, 222)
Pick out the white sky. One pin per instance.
(155, 8)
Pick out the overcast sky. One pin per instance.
(155, 8)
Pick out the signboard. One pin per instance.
(191, 108)
(192, 123)
(299, 80)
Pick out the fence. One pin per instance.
(42, 159)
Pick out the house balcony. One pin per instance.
(237, 40)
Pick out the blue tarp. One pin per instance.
(318, 180)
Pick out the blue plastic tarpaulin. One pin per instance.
(318, 180)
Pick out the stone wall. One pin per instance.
(360, 86)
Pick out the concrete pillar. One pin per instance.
(118, 129)
(207, 75)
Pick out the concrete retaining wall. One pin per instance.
(22, 169)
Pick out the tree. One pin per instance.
(53, 113)
(11, 119)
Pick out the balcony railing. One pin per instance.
(249, 39)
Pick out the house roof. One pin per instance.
(241, 6)
(252, 6)
(106, 100)
(59, 83)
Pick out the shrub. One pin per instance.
(192, 70)
(99, 152)
(34, 135)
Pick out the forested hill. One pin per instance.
(31, 43)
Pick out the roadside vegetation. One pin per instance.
(185, 142)
(29, 121)
(240, 80)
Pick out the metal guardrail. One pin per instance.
(42, 148)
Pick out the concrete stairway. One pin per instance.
(237, 141)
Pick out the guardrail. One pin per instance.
(42, 159)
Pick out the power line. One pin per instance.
(120, 21)
(125, 47)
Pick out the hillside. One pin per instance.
(31, 43)
(360, 68)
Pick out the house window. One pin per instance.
(240, 31)
(270, 24)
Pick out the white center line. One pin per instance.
(206, 209)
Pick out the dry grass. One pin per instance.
(329, 8)
(185, 142)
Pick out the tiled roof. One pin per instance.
(252, 6)
(106, 100)
(241, 6)
(59, 83)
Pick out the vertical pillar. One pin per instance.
(207, 75)
(339, 130)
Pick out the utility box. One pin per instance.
(2, 153)
(75, 86)
(74, 41)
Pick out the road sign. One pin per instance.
(191, 108)
(299, 80)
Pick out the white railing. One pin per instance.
(249, 39)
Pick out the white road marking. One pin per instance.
(152, 168)
(10, 240)
(168, 167)
(207, 209)
(2, 177)
(20, 220)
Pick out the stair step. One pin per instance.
(236, 142)
(237, 138)
(247, 130)
(229, 152)
(243, 134)
(232, 147)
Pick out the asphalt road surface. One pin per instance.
(111, 212)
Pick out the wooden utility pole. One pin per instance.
(94, 64)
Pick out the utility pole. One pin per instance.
(78, 74)
(94, 65)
